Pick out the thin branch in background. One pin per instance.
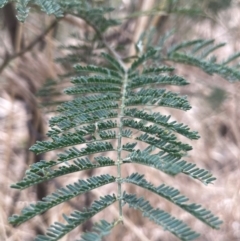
(50, 56)
(18, 41)
(102, 38)
(9, 58)
(19, 37)
(12, 25)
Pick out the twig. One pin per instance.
(10, 58)
(102, 38)
(18, 39)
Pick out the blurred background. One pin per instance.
(30, 88)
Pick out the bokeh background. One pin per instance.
(25, 110)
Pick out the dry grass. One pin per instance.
(215, 114)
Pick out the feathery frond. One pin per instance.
(50, 7)
(101, 112)
(58, 230)
(158, 119)
(60, 196)
(160, 217)
(39, 172)
(174, 196)
(209, 67)
(22, 10)
(98, 70)
(169, 163)
(139, 81)
(109, 110)
(198, 53)
(99, 230)
(179, 53)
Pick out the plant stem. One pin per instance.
(9, 58)
(122, 106)
(102, 38)
(119, 159)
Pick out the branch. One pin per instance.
(102, 38)
(10, 58)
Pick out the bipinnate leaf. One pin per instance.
(170, 164)
(160, 217)
(40, 172)
(60, 196)
(174, 196)
(58, 230)
(99, 231)
(118, 113)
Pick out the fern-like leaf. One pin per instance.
(50, 7)
(157, 70)
(90, 149)
(231, 58)
(157, 97)
(171, 164)
(95, 80)
(158, 119)
(95, 17)
(113, 62)
(92, 117)
(3, 2)
(22, 10)
(62, 195)
(86, 101)
(184, 45)
(210, 68)
(139, 81)
(165, 135)
(40, 172)
(160, 217)
(98, 70)
(195, 53)
(174, 196)
(58, 230)
(110, 110)
(200, 60)
(99, 230)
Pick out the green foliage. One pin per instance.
(40, 172)
(199, 8)
(2, 3)
(198, 53)
(22, 9)
(94, 16)
(81, 8)
(217, 5)
(160, 217)
(109, 106)
(101, 229)
(60, 196)
(174, 196)
(58, 230)
(110, 114)
(50, 7)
